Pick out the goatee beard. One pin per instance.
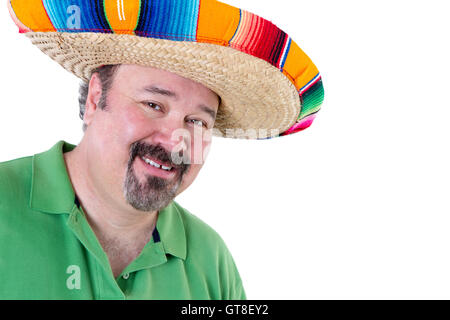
(153, 193)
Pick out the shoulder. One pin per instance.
(198, 231)
(207, 251)
(16, 163)
(204, 244)
(15, 176)
(15, 186)
(16, 166)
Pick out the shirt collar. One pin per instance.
(51, 189)
(171, 230)
(52, 192)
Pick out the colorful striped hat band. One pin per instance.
(268, 86)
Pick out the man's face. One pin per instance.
(149, 143)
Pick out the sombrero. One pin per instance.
(269, 87)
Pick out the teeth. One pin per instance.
(154, 164)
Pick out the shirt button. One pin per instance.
(126, 276)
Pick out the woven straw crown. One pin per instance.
(267, 84)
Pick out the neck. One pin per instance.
(109, 215)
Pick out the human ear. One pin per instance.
(93, 98)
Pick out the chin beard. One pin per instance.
(150, 193)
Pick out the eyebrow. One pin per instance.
(209, 111)
(171, 94)
(161, 91)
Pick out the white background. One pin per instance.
(355, 207)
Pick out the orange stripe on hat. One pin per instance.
(299, 67)
(122, 15)
(30, 20)
(22, 28)
(217, 22)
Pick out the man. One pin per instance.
(99, 220)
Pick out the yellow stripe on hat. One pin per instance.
(122, 15)
(36, 19)
(299, 67)
(217, 22)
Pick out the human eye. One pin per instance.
(153, 106)
(199, 123)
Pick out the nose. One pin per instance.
(172, 136)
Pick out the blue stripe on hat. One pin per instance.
(77, 15)
(286, 51)
(172, 19)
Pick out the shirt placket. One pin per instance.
(105, 285)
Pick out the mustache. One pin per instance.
(142, 149)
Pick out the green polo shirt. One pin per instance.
(49, 251)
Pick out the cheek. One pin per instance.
(127, 126)
(195, 166)
(189, 177)
(118, 130)
(199, 147)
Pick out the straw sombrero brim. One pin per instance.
(248, 104)
(267, 85)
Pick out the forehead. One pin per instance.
(136, 77)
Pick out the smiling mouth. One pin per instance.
(157, 165)
(157, 160)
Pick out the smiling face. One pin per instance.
(149, 142)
